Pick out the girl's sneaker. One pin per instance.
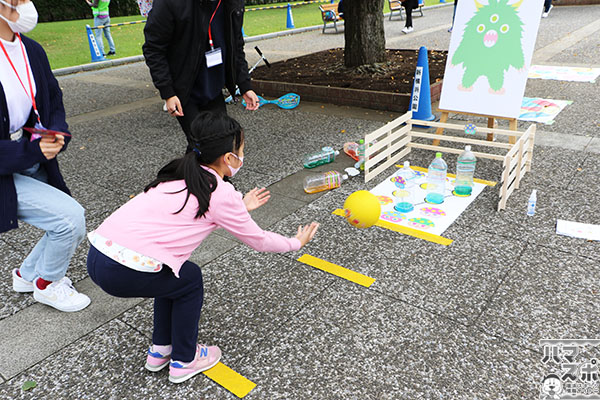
(155, 361)
(206, 358)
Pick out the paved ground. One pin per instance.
(457, 322)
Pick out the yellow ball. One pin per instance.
(362, 209)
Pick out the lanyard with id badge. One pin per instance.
(213, 56)
(39, 131)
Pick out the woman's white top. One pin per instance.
(18, 101)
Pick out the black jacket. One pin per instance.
(176, 35)
(17, 156)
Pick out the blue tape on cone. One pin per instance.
(290, 18)
(420, 98)
(95, 52)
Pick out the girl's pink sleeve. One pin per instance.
(230, 213)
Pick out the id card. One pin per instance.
(214, 57)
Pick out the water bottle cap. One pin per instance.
(468, 148)
(406, 164)
(344, 177)
(361, 141)
(337, 153)
(438, 155)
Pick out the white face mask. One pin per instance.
(28, 17)
(235, 170)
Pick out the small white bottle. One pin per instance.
(531, 203)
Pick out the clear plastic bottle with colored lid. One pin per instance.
(325, 156)
(405, 195)
(436, 180)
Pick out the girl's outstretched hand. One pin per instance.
(256, 198)
(307, 232)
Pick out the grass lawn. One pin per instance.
(67, 45)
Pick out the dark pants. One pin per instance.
(191, 111)
(408, 10)
(177, 301)
(547, 4)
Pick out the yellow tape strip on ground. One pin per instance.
(406, 230)
(337, 270)
(230, 380)
(482, 181)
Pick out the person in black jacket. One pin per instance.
(32, 188)
(193, 49)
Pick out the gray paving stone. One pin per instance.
(361, 353)
(118, 362)
(12, 302)
(586, 52)
(53, 328)
(549, 294)
(82, 97)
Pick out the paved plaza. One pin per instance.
(456, 322)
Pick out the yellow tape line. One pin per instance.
(482, 181)
(337, 270)
(230, 380)
(430, 237)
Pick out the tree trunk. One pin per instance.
(363, 32)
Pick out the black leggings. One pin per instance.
(408, 10)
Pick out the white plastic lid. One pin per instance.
(337, 152)
(344, 177)
(406, 164)
(468, 147)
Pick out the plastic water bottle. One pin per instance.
(324, 181)
(361, 155)
(465, 169)
(325, 156)
(406, 202)
(436, 180)
(531, 203)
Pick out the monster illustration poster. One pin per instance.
(489, 56)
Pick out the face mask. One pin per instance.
(235, 170)
(28, 17)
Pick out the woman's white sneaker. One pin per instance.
(19, 284)
(61, 295)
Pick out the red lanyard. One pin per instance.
(210, 41)
(28, 75)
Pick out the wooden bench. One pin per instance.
(396, 7)
(329, 13)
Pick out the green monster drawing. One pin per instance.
(491, 43)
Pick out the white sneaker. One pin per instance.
(19, 284)
(62, 296)
(406, 30)
(545, 14)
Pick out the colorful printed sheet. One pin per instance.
(578, 230)
(541, 110)
(572, 74)
(431, 218)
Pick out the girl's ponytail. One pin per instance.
(212, 135)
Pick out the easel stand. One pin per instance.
(385, 146)
(491, 123)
